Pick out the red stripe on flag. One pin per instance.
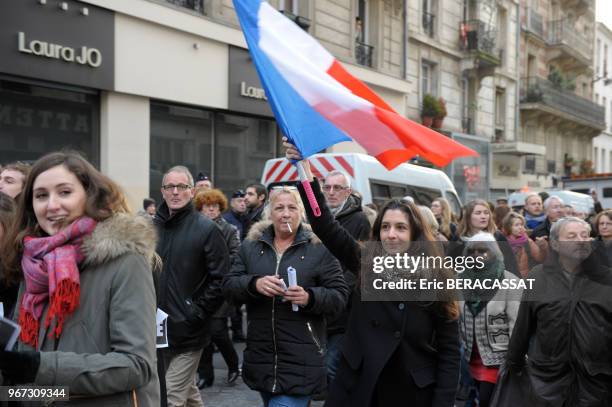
(418, 139)
(283, 172)
(326, 164)
(274, 167)
(347, 167)
(357, 87)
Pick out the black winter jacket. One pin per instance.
(232, 240)
(195, 260)
(543, 229)
(354, 220)
(285, 351)
(564, 325)
(410, 344)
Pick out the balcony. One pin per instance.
(517, 148)
(534, 24)
(479, 40)
(565, 43)
(542, 95)
(428, 23)
(195, 5)
(363, 53)
(303, 22)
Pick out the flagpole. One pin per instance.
(308, 188)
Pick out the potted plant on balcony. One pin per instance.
(439, 117)
(429, 110)
(586, 167)
(568, 163)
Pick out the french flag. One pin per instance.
(317, 103)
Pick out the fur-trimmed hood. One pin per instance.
(118, 235)
(257, 231)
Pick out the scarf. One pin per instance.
(516, 243)
(477, 299)
(533, 222)
(51, 273)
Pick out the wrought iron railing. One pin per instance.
(476, 35)
(428, 23)
(363, 53)
(540, 90)
(561, 32)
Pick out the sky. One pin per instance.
(604, 12)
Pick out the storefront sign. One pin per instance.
(245, 93)
(83, 56)
(72, 45)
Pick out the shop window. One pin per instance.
(36, 120)
(179, 136)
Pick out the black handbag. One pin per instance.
(513, 388)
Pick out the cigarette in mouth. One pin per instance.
(289, 227)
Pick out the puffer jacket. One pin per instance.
(491, 328)
(106, 352)
(195, 260)
(285, 351)
(232, 240)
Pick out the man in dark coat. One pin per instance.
(236, 215)
(347, 210)
(564, 323)
(554, 209)
(255, 199)
(195, 260)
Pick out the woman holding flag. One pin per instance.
(394, 353)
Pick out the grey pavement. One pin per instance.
(238, 395)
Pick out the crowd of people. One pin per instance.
(85, 278)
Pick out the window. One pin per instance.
(602, 163)
(530, 165)
(607, 192)
(429, 83)
(598, 57)
(382, 191)
(595, 157)
(500, 108)
(429, 18)
(195, 5)
(605, 61)
(36, 120)
(364, 50)
(291, 6)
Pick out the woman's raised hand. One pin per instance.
(292, 153)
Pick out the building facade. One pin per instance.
(558, 119)
(602, 144)
(141, 85)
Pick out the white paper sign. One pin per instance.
(162, 329)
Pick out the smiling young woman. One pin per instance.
(79, 256)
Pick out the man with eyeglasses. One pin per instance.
(346, 207)
(195, 260)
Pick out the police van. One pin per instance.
(586, 184)
(370, 178)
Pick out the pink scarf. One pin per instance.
(516, 243)
(50, 268)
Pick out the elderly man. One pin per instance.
(195, 260)
(564, 323)
(346, 207)
(554, 210)
(534, 215)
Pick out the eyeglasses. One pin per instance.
(338, 188)
(180, 187)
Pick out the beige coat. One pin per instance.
(106, 353)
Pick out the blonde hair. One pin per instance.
(276, 193)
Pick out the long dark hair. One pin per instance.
(104, 199)
(421, 233)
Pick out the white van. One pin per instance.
(601, 183)
(370, 178)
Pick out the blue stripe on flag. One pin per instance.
(305, 127)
